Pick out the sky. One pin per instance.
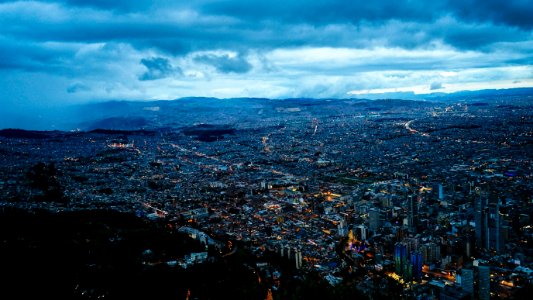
(54, 53)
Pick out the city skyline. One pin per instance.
(393, 199)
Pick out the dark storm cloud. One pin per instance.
(475, 36)
(512, 12)
(178, 29)
(28, 55)
(275, 48)
(268, 24)
(477, 23)
(326, 11)
(158, 67)
(225, 63)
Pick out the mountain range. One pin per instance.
(237, 112)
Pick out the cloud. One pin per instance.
(158, 67)
(34, 56)
(77, 87)
(164, 49)
(516, 13)
(225, 63)
(178, 29)
(435, 86)
(117, 5)
(513, 12)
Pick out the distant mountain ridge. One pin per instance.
(486, 93)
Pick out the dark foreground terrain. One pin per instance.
(110, 255)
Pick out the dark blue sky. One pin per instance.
(71, 51)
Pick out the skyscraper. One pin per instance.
(484, 283)
(407, 273)
(467, 281)
(374, 220)
(488, 224)
(416, 262)
(481, 222)
(495, 227)
(412, 213)
(400, 257)
(430, 252)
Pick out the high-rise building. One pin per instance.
(468, 247)
(412, 213)
(361, 232)
(495, 226)
(407, 272)
(341, 228)
(424, 251)
(400, 257)
(401, 233)
(481, 217)
(412, 244)
(484, 283)
(298, 258)
(403, 265)
(488, 224)
(416, 263)
(374, 221)
(467, 281)
(441, 192)
(430, 252)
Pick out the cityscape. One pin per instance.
(393, 198)
(281, 149)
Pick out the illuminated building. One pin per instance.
(400, 257)
(416, 262)
(407, 271)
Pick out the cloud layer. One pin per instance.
(98, 50)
